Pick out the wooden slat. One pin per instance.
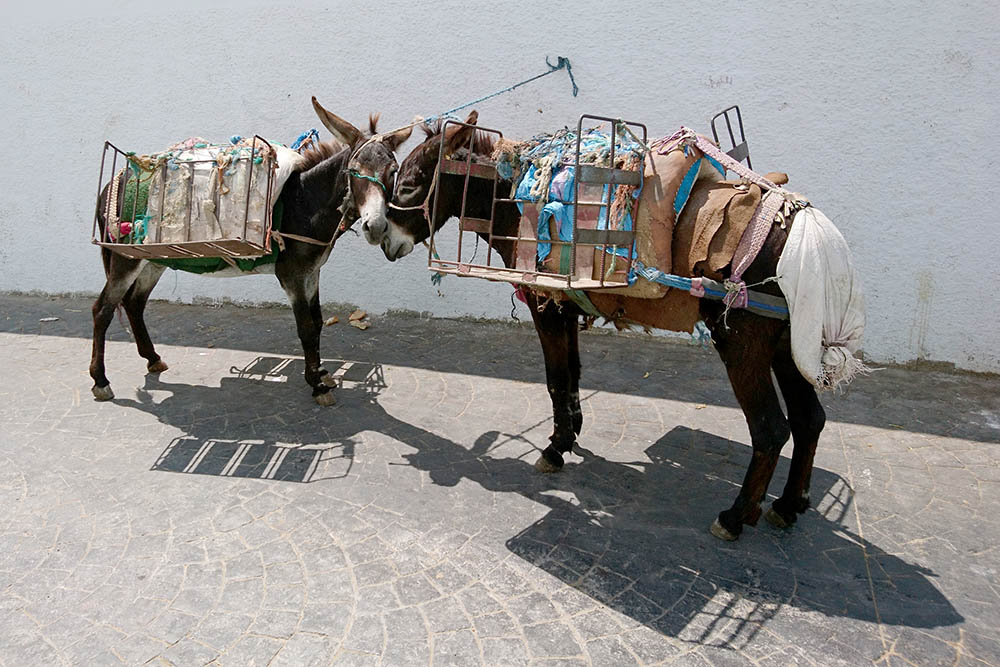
(480, 225)
(618, 237)
(591, 174)
(476, 169)
(520, 277)
(217, 248)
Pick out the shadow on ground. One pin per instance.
(232, 440)
(630, 535)
(889, 399)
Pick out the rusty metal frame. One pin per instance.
(469, 170)
(612, 178)
(598, 238)
(738, 151)
(225, 248)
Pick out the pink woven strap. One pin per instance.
(688, 137)
(749, 247)
(727, 161)
(756, 232)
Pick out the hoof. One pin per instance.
(776, 519)
(545, 466)
(550, 460)
(721, 532)
(325, 399)
(157, 366)
(328, 379)
(102, 393)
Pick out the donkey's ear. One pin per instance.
(458, 136)
(340, 129)
(395, 139)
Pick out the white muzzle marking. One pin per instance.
(373, 219)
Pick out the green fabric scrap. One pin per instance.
(132, 206)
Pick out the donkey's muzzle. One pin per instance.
(375, 230)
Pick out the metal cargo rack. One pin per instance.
(587, 241)
(246, 245)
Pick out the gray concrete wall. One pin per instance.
(883, 114)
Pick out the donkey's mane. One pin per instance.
(318, 153)
(482, 145)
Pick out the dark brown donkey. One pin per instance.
(337, 180)
(751, 347)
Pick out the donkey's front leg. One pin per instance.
(303, 293)
(554, 326)
(317, 316)
(573, 335)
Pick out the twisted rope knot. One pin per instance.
(736, 293)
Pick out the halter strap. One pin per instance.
(426, 206)
(375, 138)
(374, 179)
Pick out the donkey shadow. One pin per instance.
(246, 427)
(630, 535)
(634, 537)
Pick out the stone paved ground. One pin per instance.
(215, 513)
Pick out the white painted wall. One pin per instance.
(884, 114)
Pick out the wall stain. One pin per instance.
(925, 296)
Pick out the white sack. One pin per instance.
(826, 305)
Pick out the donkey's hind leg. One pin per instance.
(135, 305)
(806, 418)
(747, 349)
(122, 273)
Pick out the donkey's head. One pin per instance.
(371, 169)
(409, 215)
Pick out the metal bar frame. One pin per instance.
(241, 247)
(613, 177)
(733, 146)
(615, 123)
(445, 167)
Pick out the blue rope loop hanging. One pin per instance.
(561, 63)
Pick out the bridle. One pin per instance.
(353, 172)
(425, 207)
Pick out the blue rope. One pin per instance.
(297, 144)
(682, 283)
(561, 63)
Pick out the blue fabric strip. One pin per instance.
(684, 190)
